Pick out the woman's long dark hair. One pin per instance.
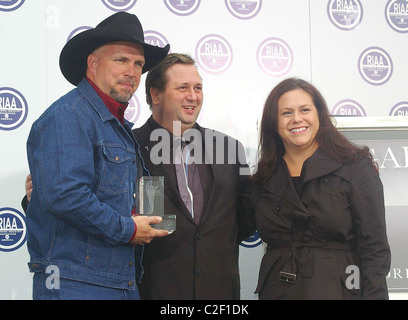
(330, 140)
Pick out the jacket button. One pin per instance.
(199, 236)
(199, 273)
(279, 208)
(117, 158)
(131, 283)
(130, 263)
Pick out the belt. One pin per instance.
(295, 245)
(299, 259)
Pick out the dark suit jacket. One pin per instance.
(198, 260)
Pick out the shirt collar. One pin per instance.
(154, 125)
(116, 108)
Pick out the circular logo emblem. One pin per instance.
(77, 31)
(244, 9)
(214, 54)
(275, 57)
(155, 38)
(10, 5)
(12, 229)
(396, 14)
(132, 111)
(345, 14)
(348, 108)
(182, 7)
(253, 241)
(13, 109)
(375, 66)
(119, 5)
(400, 109)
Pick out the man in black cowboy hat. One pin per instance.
(84, 163)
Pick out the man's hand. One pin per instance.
(145, 233)
(28, 187)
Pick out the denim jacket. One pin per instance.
(84, 167)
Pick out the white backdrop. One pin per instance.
(354, 51)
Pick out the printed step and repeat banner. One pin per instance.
(354, 51)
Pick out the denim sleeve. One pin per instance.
(61, 158)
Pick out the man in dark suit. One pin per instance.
(200, 259)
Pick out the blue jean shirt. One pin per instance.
(84, 166)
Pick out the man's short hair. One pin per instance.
(156, 78)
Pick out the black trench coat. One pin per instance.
(328, 243)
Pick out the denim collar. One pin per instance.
(116, 108)
(97, 103)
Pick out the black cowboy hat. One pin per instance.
(121, 26)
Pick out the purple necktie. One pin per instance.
(188, 179)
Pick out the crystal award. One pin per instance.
(151, 202)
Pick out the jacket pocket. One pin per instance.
(115, 170)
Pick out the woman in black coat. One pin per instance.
(318, 203)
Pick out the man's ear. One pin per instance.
(92, 63)
(155, 94)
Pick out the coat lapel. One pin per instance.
(318, 165)
(281, 185)
(216, 172)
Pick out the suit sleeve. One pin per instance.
(24, 203)
(246, 219)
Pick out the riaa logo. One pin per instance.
(400, 109)
(348, 108)
(253, 241)
(214, 54)
(12, 229)
(13, 109)
(244, 9)
(375, 66)
(77, 31)
(275, 57)
(155, 38)
(182, 7)
(396, 14)
(345, 14)
(132, 111)
(10, 5)
(119, 5)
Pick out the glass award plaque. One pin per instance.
(151, 202)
